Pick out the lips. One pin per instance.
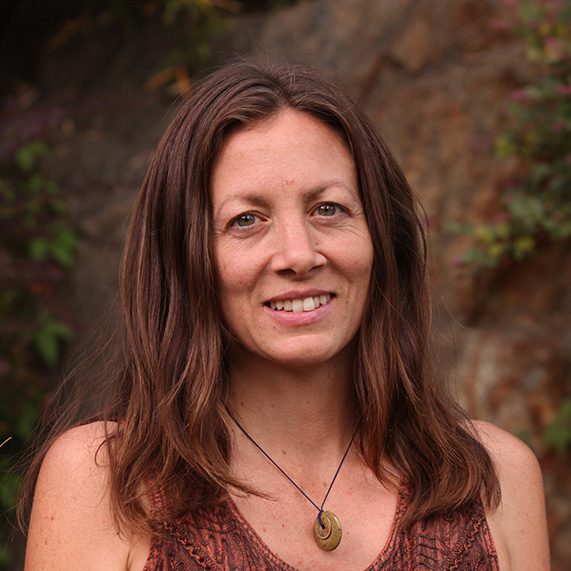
(299, 304)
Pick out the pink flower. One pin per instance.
(499, 24)
(564, 89)
(554, 48)
(555, 5)
(521, 96)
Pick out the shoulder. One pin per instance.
(519, 523)
(77, 461)
(513, 459)
(80, 446)
(71, 523)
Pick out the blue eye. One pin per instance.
(244, 220)
(328, 209)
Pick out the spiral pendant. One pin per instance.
(327, 537)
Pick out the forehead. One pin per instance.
(289, 148)
(280, 129)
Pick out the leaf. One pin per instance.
(35, 185)
(496, 250)
(60, 330)
(8, 297)
(504, 147)
(62, 247)
(529, 210)
(38, 249)
(52, 188)
(27, 156)
(558, 433)
(523, 246)
(49, 338)
(502, 230)
(62, 255)
(48, 347)
(9, 490)
(484, 233)
(7, 191)
(26, 420)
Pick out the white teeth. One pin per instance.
(299, 305)
(308, 304)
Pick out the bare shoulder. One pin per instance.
(519, 524)
(81, 446)
(71, 524)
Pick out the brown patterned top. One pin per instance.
(220, 539)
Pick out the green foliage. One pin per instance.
(173, 9)
(203, 20)
(49, 338)
(38, 246)
(27, 157)
(60, 247)
(537, 205)
(558, 434)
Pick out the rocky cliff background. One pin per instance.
(435, 77)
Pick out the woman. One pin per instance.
(274, 408)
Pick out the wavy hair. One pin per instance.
(168, 392)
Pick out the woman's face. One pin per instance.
(292, 247)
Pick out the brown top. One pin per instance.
(220, 538)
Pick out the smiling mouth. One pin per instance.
(300, 305)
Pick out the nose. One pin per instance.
(296, 249)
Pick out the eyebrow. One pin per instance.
(258, 199)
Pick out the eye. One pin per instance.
(328, 209)
(244, 220)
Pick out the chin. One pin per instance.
(305, 355)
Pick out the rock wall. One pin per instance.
(434, 77)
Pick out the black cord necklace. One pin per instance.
(327, 527)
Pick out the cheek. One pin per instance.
(235, 286)
(358, 260)
(229, 268)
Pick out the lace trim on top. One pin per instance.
(221, 538)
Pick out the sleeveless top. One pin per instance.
(220, 538)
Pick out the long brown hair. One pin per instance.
(168, 392)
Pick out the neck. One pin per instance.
(304, 411)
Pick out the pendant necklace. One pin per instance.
(327, 527)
